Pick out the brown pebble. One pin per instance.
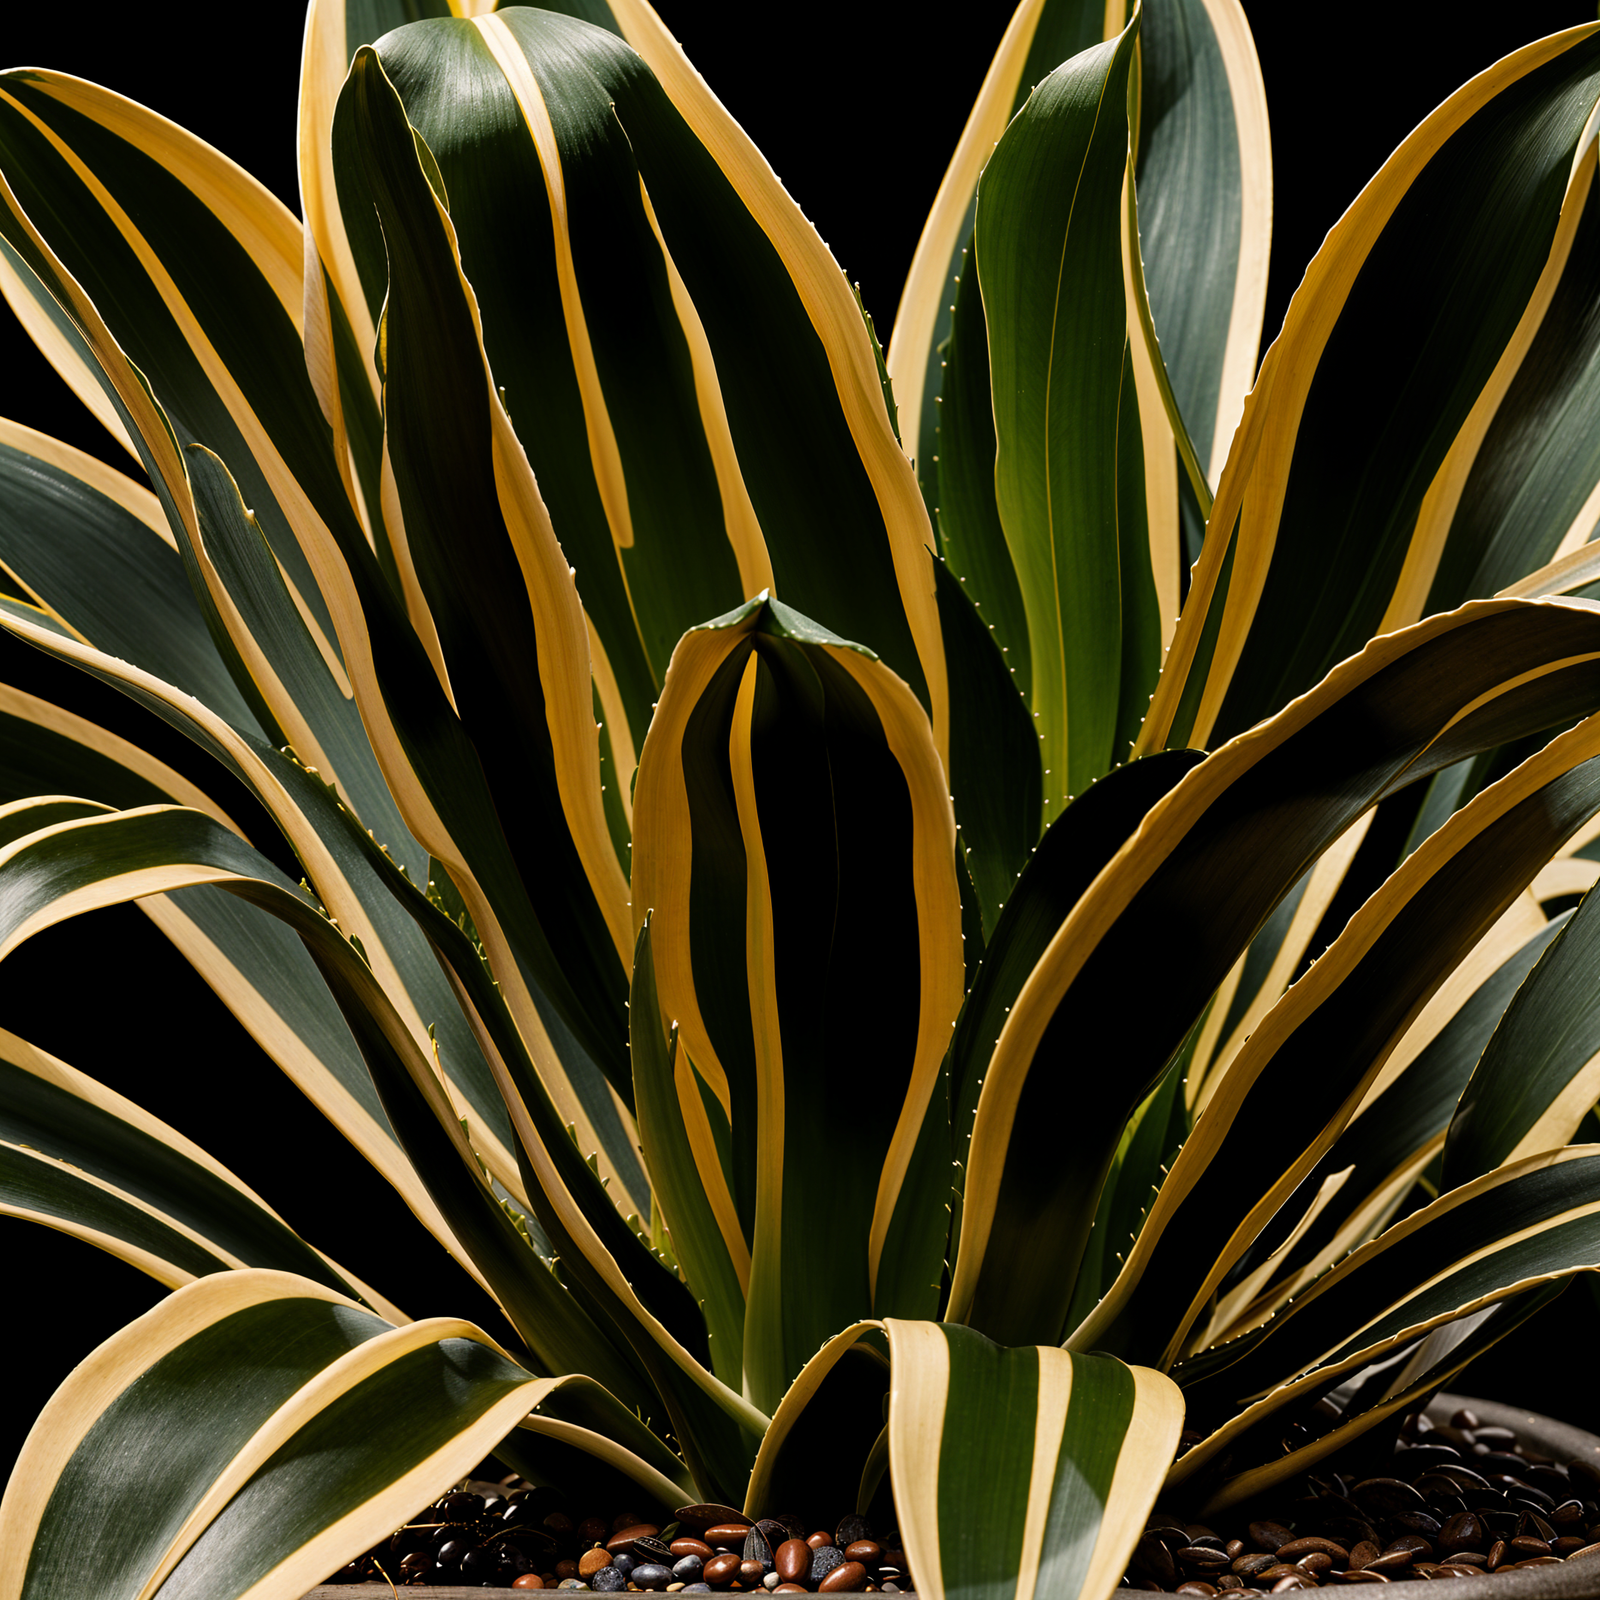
(1464, 1531)
(792, 1559)
(751, 1571)
(699, 1516)
(1386, 1497)
(1269, 1535)
(721, 1569)
(1254, 1563)
(592, 1561)
(817, 1540)
(791, 1588)
(566, 1569)
(1362, 1553)
(1418, 1522)
(623, 1539)
(685, 1546)
(558, 1522)
(1293, 1549)
(1532, 1526)
(867, 1551)
(1414, 1544)
(1152, 1559)
(725, 1533)
(528, 1580)
(592, 1530)
(845, 1579)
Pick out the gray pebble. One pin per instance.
(823, 1560)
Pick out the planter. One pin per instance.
(1568, 1580)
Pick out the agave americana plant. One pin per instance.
(691, 720)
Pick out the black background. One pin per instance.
(857, 110)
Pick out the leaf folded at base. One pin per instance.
(1049, 1505)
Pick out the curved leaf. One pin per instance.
(1540, 1072)
(1325, 1042)
(1425, 280)
(1054, 1502)
(86, 1160)
(1412, 702)
(1499, 1235)
(1049, 213)
(232, 1390)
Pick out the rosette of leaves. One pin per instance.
(684, 729)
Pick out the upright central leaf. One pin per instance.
(795, 849)
(1069, 479)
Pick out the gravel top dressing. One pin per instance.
(1460, 1498)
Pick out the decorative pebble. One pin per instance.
(1460, 1503)
(844, 1579)
(824, 1560)
(722, 1569)
(850, 1529)
(624, 1538)
(792, 1559)
(708, 1514)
